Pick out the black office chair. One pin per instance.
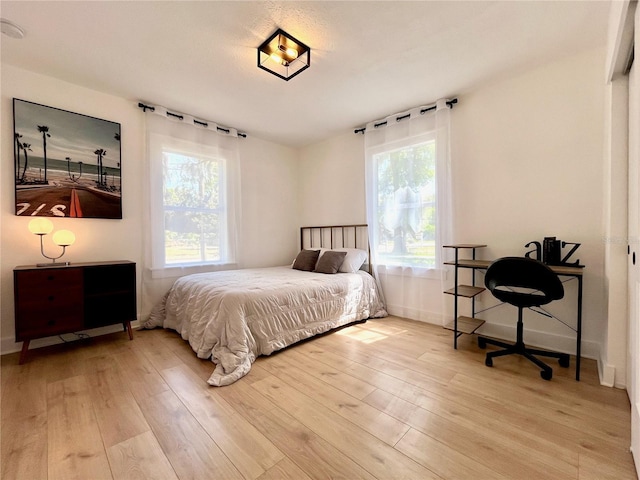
(523, 282)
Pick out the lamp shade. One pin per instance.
(40, 226)
(64, 238)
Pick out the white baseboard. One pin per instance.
(607, 374)
(9, 345)
(545, 340)
(414, 314)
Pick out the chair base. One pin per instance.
(519, 348)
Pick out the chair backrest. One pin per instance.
(507, 277)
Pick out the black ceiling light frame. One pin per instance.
(283, 55)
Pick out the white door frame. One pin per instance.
(634, 249)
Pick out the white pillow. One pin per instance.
(353, 261)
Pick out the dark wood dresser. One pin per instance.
(53, 300)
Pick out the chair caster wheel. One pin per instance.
(546, 374)
(482, 343)
(488, 362)
(564, 361)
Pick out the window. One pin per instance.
(194, 208)
(408, 188)
(193, 190)
(406, 205)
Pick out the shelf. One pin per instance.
(465, 291)
(468, 263)
(466, 325)
(465, 245)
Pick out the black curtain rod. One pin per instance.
(197, 122)
(450, 104)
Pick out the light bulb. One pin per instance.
(292, 52)
(40, 226)
(276, 58)
(64, 238)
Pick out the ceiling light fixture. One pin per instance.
(10, 29)
(283, 55)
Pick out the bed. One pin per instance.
(235, 316)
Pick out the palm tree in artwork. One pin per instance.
(16, 153)
(72, 177)
(100, 153)
(26, 147)
(45, 133)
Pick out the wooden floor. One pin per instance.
(386, 399)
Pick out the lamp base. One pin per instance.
(54, 264)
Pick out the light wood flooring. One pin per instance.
(386, 399)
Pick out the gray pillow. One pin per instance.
(330, 262)
(306, 260)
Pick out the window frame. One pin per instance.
(383, 264)
(159, 144)
(220, 210)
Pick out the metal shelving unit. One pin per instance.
(464, 324)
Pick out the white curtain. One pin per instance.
(395, 214)
(200, 139)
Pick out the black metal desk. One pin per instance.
(560, 270)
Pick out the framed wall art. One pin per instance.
(66, 164)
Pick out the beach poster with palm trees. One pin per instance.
(66, 164)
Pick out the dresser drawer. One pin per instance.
(48, 302)
(49, 298)
(36, 321)
(51, 281)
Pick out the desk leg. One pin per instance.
(455, 305)
(579, 328)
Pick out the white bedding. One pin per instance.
(235, 316)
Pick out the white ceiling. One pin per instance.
(369, 58)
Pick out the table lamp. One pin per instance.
(63, 238)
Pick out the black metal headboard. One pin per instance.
(337, 236)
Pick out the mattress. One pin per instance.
(234, 316)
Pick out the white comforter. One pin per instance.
(234, 316)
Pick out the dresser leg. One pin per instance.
(23, 352)
(127, 325)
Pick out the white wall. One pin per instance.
(527, 158)
(331, 184)
(269, 195)
(528, 163)
(270, 234)
(96, 240)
